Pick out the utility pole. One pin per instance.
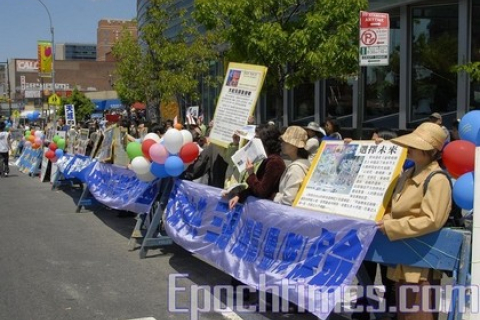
(53, 61)
(9, 92)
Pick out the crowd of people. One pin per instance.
(289, 154)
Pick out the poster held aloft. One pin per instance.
(237, 100)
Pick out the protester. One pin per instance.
(413, 213)
(293, 146)
(264, 182)
(210, 162)
(370, 267)
(5, 146)
(437, 118)
(455, 135)
(315, 136)
(332, 129)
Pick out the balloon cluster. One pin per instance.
(55, 149)
(459, 159)
(33, 139)
(33, 116)
(156, 158)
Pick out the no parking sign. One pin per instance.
(374, 38)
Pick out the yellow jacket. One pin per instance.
(412, 214)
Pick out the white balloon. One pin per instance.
(152, 136)
(173, 141)
(147, 177)
(38, 134)
(141, 165)
(187, 136)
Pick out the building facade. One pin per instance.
(75, 51)
(108, 33)
(427, 40)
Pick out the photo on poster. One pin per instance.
(354, 179)
(236, 103)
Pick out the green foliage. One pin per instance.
(298, 40)
(162, 66)
(83, 105)
(472, 68)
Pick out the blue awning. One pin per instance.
(99, 104)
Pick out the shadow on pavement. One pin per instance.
(122, 222)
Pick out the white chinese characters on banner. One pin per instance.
(70, 115)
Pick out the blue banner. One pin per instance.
(266, 245)
(119, 188)
(77, 166)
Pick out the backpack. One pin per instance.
(455, 217)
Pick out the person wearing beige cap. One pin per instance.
(293, 146)
(413, 213)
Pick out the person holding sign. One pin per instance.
(413, 213)
(264, 183)
(293, 146)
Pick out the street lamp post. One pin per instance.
(53, 61)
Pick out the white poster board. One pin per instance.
(70, 115)
(353, 179)
(237, 100)
(374, 39)
(45, 161)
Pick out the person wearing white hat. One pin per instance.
(413, 213)
(315, 135)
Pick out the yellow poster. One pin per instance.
(353, 179)
(45, 58)
(241, 89)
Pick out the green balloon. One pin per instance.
(61, 143)
(134, 149)
(27, 133)
(56, 138)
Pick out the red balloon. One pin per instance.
(189, 152)
(53, 146)
(146, 145)
(459, 157)
(50, 154)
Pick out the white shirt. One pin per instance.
(4, 142)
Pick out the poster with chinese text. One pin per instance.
(238, 97)
(354, 179)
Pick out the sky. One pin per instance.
(24, 22)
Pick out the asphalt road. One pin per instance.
(58, 264)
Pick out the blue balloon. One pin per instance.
(469, 127)
(158, 170)
(59, 153)
(463, 191)
(408, 164)
(174, 166)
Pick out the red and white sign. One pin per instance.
(26, 65)
(374, 38)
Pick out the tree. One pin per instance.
(83, 105)
(298, 40)
(162, 67)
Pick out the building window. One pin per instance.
(303, 101)
(339, 102)
(475, 54)
(434, 53)
(382, 87)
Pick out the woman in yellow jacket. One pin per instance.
(413, 213)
